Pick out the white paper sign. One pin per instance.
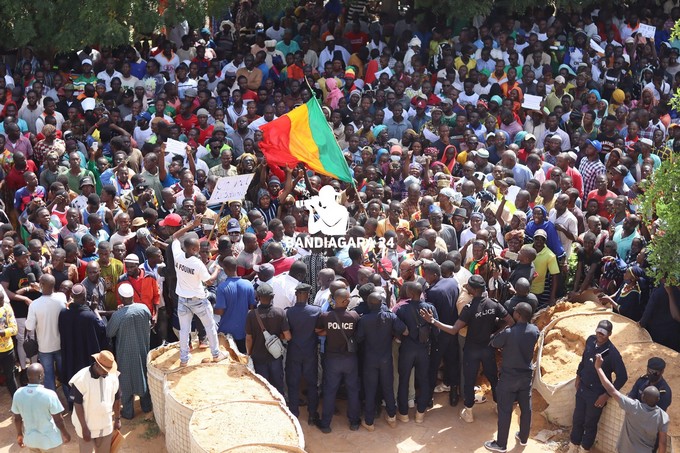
(428, 134)
(532, 102)
(230, 188)
(80, 202)
(648, 31)
(511, 196)
(173, 146)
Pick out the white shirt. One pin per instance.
(43, 317)
(98, 397)
(107, 78)
(117, 237)
(321, 296)
(191, 273)
(568, 221)
(284, 290)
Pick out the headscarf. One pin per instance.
(378, 129)
(596, 93)
(455, 197)
(519, 137)
(450, 164)
(380, 152)
(334, 94)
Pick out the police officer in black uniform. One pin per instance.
(591, 397)
(339, 327)
(654, 377)
(517, 344)
(376, 330)
(414, 352)
(442, 293)
(481, 317)
(302, 357)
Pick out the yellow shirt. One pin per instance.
(385, 225)
(545, 263)
(8, 326)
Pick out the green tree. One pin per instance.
(56, 25)
(661, 201)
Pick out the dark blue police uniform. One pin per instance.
(414, 353)
(376, 330)
(586, 415)
(302, 358)
(339, 364)
(665, 394)
(514, 384)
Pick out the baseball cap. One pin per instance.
(560, 79)
(191, 92)
(596, 144)
(621, 169)
(541, 233)
(421, 104)
(646, 141)
(125, 290)
(656, 363)
(233, 225)
(330, 38)
(143, 233)
(604, 327)
(265, 289)
(86, 181)
(219, 127)
(303, 287)
(143, 116)
(202, 112)
(172, 220)
(86, 61)
(476, 281)
(19, 250)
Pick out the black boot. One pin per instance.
(453, 396)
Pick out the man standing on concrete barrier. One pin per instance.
(591, 396)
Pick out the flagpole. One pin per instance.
(329, 126)
(218, 221)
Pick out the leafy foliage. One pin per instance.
(662, 199)
(57, 25)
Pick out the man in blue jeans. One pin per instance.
(43, 318)
(192, 278)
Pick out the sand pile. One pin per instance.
(206, 385)
(564, 342)
(235, 427)
(562, 308)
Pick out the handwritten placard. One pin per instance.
(173, 146)
(648, 31)
(230, 188)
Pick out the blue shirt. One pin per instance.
(302, 322)
(235, 296)
(37, 405)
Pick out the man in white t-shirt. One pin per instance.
(43, 318)
(192, 278)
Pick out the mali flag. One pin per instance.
(304, 135)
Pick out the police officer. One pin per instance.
(591, 396)
(414, 352)
(480, 316)
(339, 326)
(654, 377)
(273, 320)
(302, 357)
(517, 344)
(442, 293)
(376, 329)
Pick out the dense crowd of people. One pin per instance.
(497, 167)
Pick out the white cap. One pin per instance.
(125, 290)
(132, 258)
(414, 42)
(87, 104)
(87, 61)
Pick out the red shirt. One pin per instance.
(600, 201)
(15, 177)
(282, 265)
(186, 124)
(205, 134)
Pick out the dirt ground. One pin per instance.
(442, 431)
